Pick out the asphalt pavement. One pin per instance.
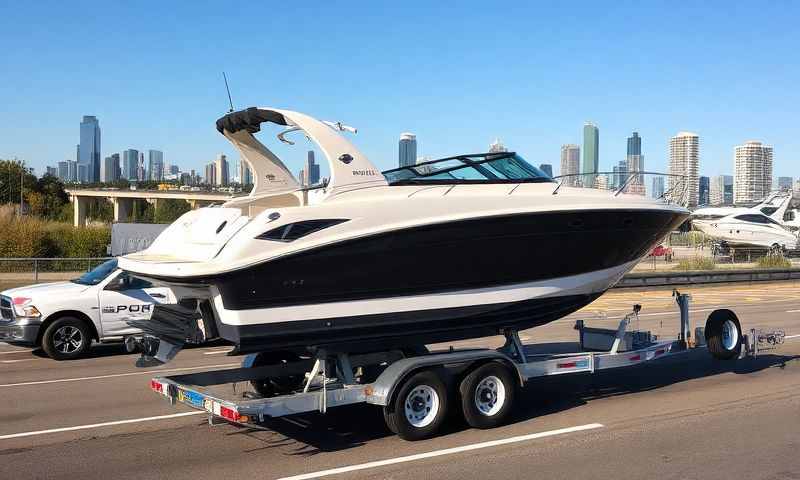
(685, 417)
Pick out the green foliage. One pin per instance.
(773, 261)
(100, 210)
(696, 263)
(34, 237)
(170, 209)
(142, 212)
(12, 173)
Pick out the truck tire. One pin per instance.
(66, 338)
(723, 334)
(419, 408)
(487, 395)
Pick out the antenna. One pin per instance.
(229, 92)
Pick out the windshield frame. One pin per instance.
(478, 162)
(91, 278)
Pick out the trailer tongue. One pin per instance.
(412, 386)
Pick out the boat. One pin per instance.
(774, 206)
(750, 229)
(450, 249)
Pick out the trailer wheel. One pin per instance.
(487, 395)
(66, 338)
(269, 387)
(723, 334)
(419, 408)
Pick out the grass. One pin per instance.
(773, 261)
(696, 263)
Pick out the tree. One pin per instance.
(170, 210)
(13, 173)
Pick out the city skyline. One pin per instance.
(174, 107)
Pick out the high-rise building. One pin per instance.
(407, 149)
(245, 173)
(721, 190)
(704, 190)
(130, 164)
(546, 168)
(72, 171)
(785, 183)
(63, 170)
(684, 165)
(211, 174)
(110, 169)
(658, 187)
(752, 175)
(620, 174)
(141, 172)
(570, 163)
(155, 164)
(221, 170)
(635, 163)
(497, 146)
(51, 171)
(301, 177)
(591, 153)
(311, 169)
(89, 150)
(174, 170)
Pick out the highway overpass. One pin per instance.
(123, 200)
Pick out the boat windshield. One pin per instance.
(504, 167)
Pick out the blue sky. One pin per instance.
(456, 74)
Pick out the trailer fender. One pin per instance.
(384, 388)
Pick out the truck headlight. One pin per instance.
(23, 308)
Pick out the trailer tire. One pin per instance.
(66, 338)
(723, 334)
(487, 395)
(419, 408)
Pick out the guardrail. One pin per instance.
(661, 279)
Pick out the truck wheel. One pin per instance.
(419, 408)
(723, 334)
(66, 338)
(487, 395)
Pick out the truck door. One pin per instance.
(126, 297)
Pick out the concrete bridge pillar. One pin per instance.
(80, 206)
(122, 208)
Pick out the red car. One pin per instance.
(662, 251)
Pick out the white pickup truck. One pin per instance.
(63, 318)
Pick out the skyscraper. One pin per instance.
(72, 171)
(704, 190)
(658, 187)
(51, 171)
(635, 163)
(684, 165)
(312, 169)
(221, 170)
(211, 174)
(721, 190)
(89, 150)
(63, 170)
(620, 174)
(110, 169)
(245, 173)
(591, 155)
(141, 173)
(407, 149)
(752, 175)
(130, 164)
(546, 168)
(155, 165)
(785, 183)
(570, 163)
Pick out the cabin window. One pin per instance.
(293, 231)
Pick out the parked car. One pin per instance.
(64, 318)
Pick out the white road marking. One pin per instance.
(115, 375)
(15, 351)
(216, 352)
(16, 361)
(438, 453)
(98, 425)
(792, 336)
(792, 311)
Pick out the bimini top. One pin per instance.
(502, 167)
(349, 168)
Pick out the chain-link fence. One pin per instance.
(24, 271)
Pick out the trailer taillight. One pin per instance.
(229, 414)
(157, 386)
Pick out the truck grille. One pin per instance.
(6, 310)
